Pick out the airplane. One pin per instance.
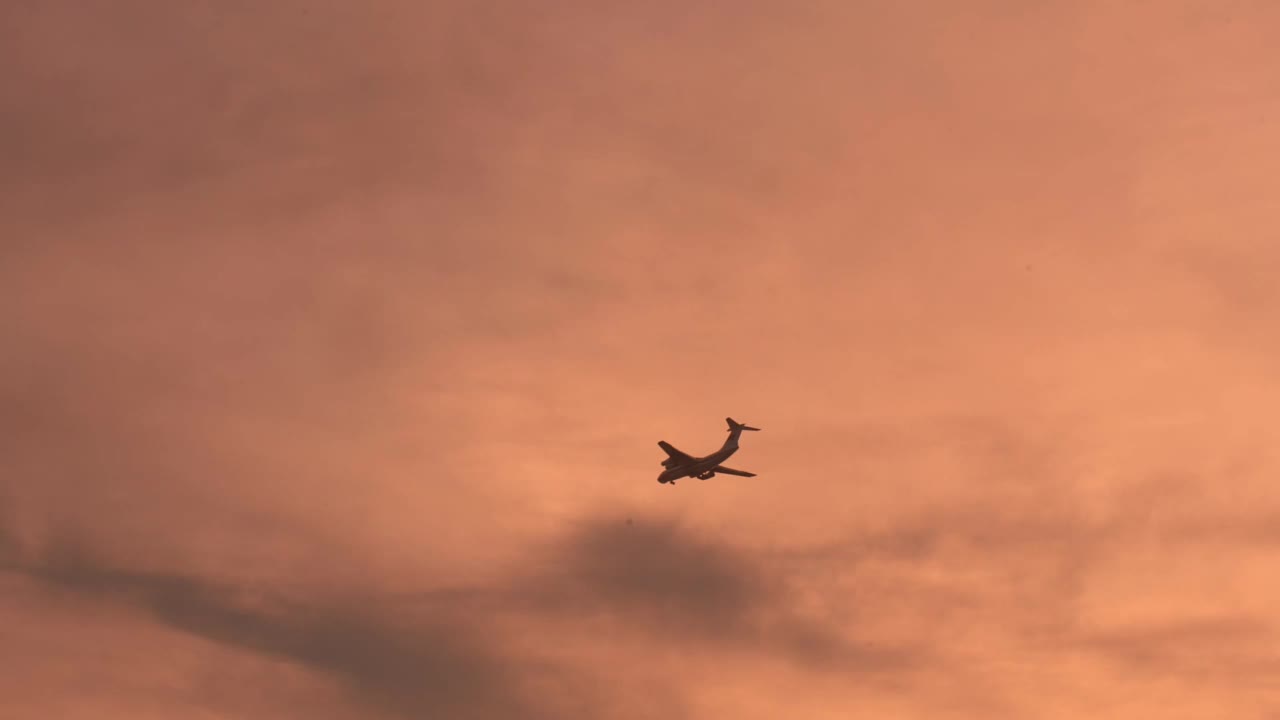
(679, 464)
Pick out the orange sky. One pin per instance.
(339, 337)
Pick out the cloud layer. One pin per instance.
(338, 341)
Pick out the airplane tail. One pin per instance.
(735, 425)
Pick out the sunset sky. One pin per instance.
(338, 338)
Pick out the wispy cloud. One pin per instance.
(337, 338)
(442, 651)
(391, 661)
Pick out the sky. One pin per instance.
(339, 338)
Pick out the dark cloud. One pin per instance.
(664, 585)
(652, 580)
(680, 587)
(405, 666)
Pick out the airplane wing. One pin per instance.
(731, 471)
(673, 453)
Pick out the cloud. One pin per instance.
(679, 586)
(338, 297)
(1015, 582)
(1231, 646)
(444, 654)
(391, 661)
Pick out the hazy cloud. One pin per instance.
(410, 667)
(649, 579)
(684, 588)
(337, 338)
(1236, 648)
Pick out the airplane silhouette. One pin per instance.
(679, 464)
